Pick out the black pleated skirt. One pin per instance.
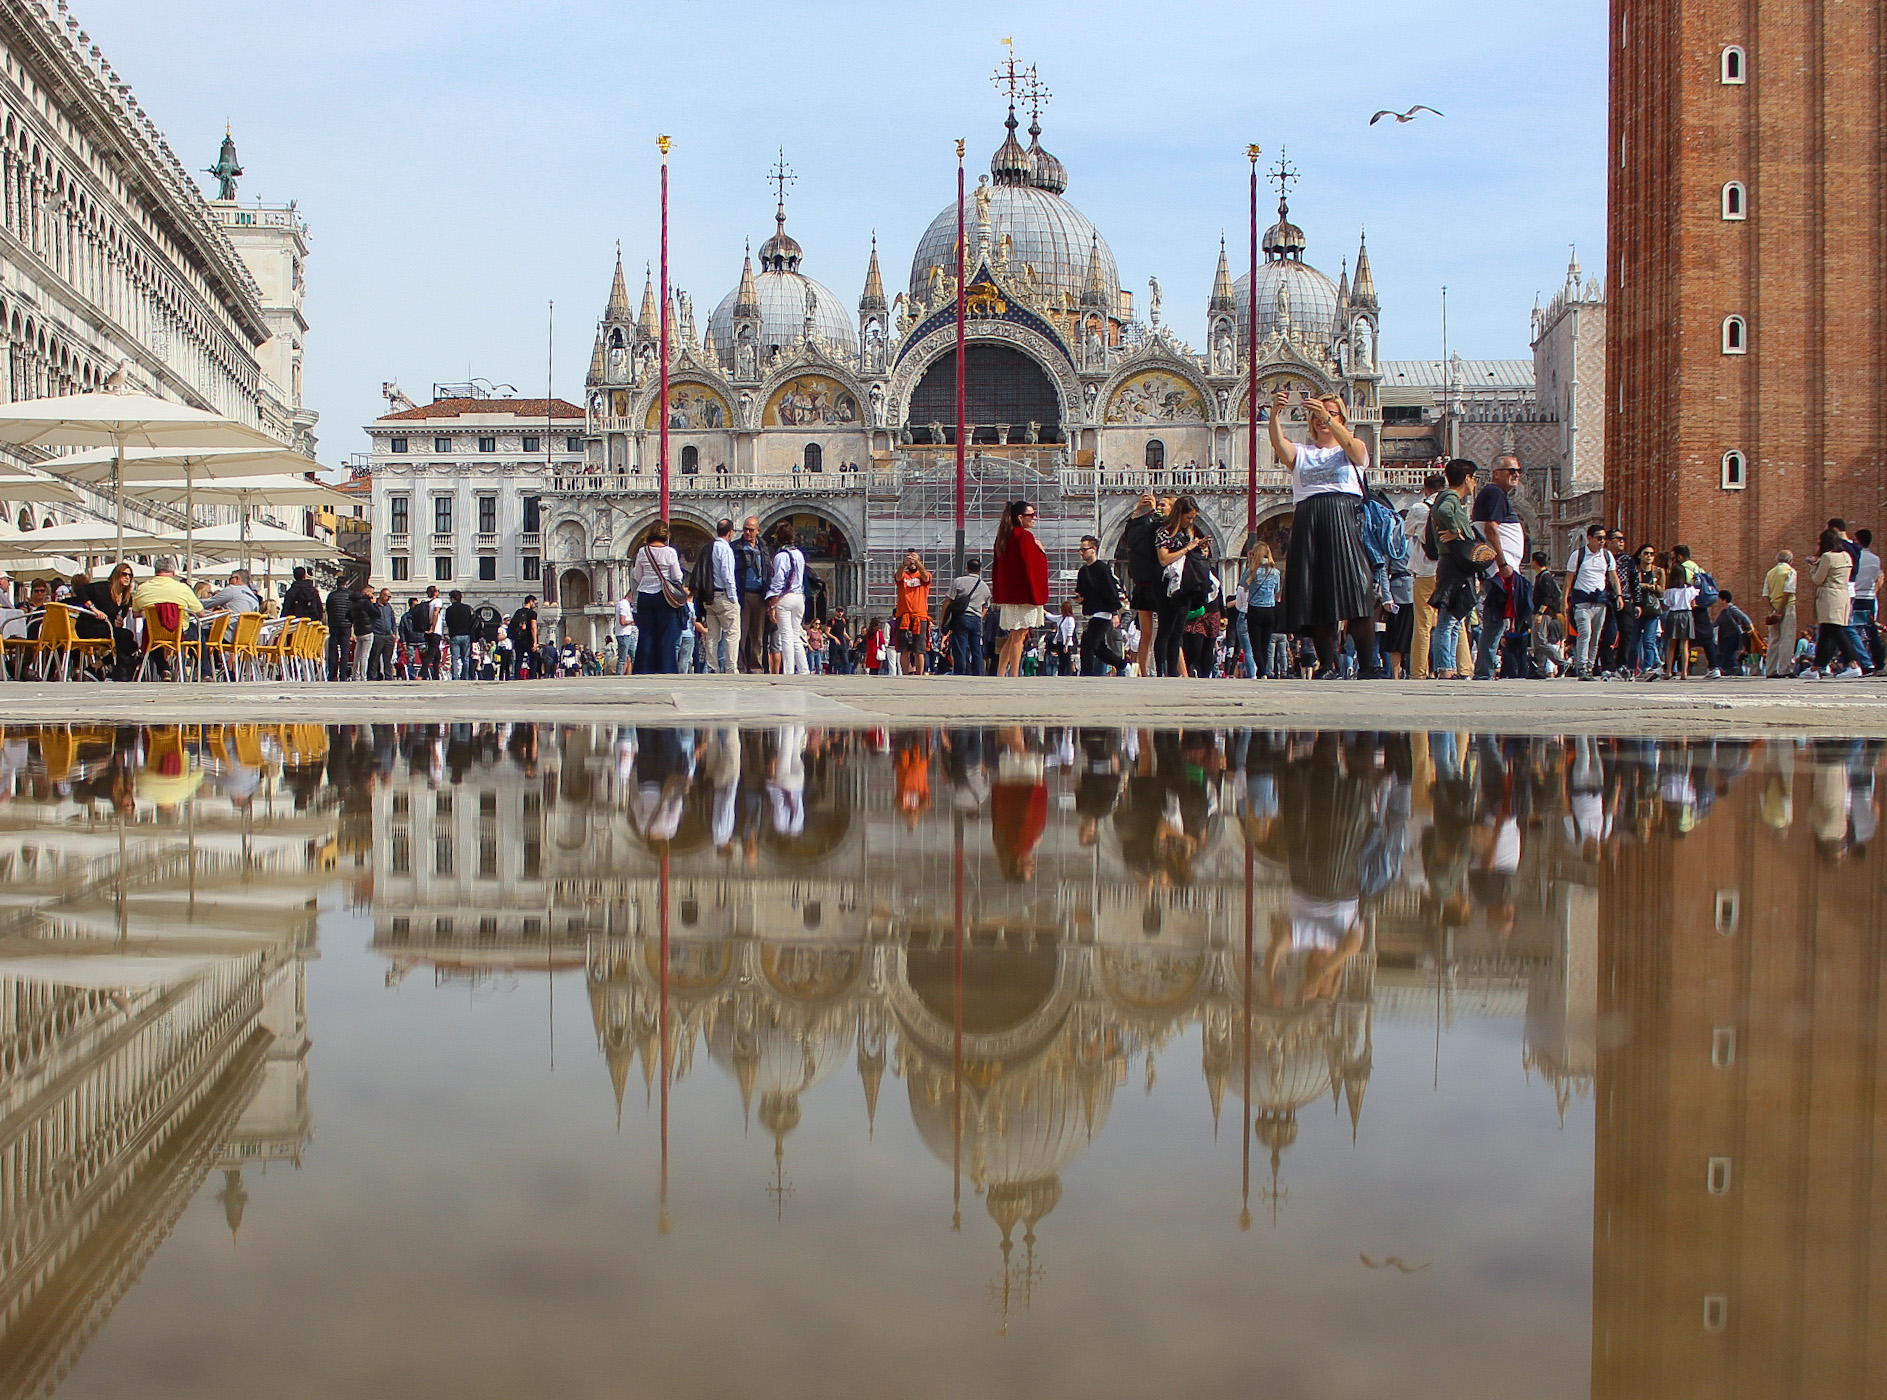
(1327, 576)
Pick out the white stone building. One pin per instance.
(456, 489)
(111, 256)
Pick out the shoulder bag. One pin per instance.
(672, 593)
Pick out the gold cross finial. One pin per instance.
(664, 142)
(1010, 74)
(1035, 92)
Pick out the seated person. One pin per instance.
(236, 596)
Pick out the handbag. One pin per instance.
(672, 593)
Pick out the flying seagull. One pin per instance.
(1407, 116)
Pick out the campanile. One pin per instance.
(1745, 394)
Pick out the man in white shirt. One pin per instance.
(625, 631)
(1415, 526)
(721, 613)
(1591, 581)
(1866, 586)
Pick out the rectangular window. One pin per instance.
(487, 804)
(488, 927)
(533, 859)
(487, 514)
(533, 444)
(442, 568)
(533, 568)
(442, 926)
(488, 858)
(488, 444)
(487, 568)
(442, 445)
(400, 856)
(402, 568)
(442, 855)
(402, 928)
(396, 444)
(573, 444)
(442, 805)
(533, 514)
(442, 515)
(398, 508)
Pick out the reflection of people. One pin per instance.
(1018, 807)
(786, 781)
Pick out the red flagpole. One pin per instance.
(1251, 363)
(664, 143)
(960, 414)
(662, 1218)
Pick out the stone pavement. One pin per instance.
(1663, 709)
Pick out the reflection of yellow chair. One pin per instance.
(249, 745)
(57, 747)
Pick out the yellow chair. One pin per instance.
(314, 652)
(58, 638)
(160, 640)
(276, 653)
(245, 645)
(208, 643)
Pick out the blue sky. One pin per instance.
(463, 165)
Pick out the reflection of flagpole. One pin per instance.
(1244, 1213)
(958, 565)
(1251, 363)
(662, 1223)
(956, 1025)
(663, 142)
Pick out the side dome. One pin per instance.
(782, 300)
(1312, 301)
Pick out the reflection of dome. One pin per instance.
(1027, 1127)
(1291, 1060)
(776, 1058)
(1045, 230)
(780, 291)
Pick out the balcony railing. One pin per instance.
(485, 540)
(1075, 481)
(529, 539)
(710, 483)
(442, 539)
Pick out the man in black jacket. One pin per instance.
(303, 599)
(340, 618)
(361, 615)
(461, 626)
(412, 633)
(1099, 592)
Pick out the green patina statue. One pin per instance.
(227, 168)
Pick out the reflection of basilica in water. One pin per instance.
(158, 888)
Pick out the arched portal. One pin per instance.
(685, 535)
(829, 552)
(1002, 388)
(574, 590)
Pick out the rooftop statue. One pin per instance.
(227, 168)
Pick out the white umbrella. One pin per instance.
(188, 464)
(86, 537)
(258, 539)
(248, 492)
(19, 485)
(121, 420)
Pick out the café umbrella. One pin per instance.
(122, 420)
(247, 493)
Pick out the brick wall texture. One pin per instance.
(1803, 132)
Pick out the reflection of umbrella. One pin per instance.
(121, 420)
(160, 470)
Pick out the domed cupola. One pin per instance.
(1284, 239)
(1050, 174)
(1011, 165)
(780, 306)
(1294, 298)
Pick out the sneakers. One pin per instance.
(1811, 674)
(1853, 673)
(1713, 674)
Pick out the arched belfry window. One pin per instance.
(815, 458)
(1735, 336)
(1735, 201)
(1735, 65)
(1156, 455)
(1735, 471)
(615, 339)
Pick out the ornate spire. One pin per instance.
(1284, 239)
(1343, 285)
(234, 1198)
(596, 359)
(747, 299)
(1222, 299)
(1096, 293)
(1049, 174)
(618, 308)
(1363, 290)
(874, 298)
(648, 324)
(1011, 165)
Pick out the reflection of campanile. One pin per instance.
(1738, 1181)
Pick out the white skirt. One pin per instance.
(1012, 617)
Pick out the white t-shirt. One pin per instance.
(1588, 570)
(1866, 580)
(1415, 526)
(1321, 924)
(625, 615)
(1323, 471)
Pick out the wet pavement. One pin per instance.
(586, 1060)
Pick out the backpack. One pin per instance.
(1143, 557)
(1384, 539)
(701, 574)
(1706, 586)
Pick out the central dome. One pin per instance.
(1045, 230)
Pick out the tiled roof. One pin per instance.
(457, 408)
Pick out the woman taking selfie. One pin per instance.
(1327, 573)
(1176, 543)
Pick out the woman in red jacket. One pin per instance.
(1020, 588)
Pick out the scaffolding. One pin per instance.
(920, 513)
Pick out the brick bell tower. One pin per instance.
(1746, 383)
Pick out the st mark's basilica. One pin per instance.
(786, 404)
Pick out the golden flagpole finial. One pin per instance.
(959, 148)
(664, 142)
(1252, 153)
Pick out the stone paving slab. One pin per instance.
(1729, 707)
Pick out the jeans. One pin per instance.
(789, 611)
(461, 658)
(660, 639)
(1834, 638)
(966, 647)
(1444, 640)
(1589, 618)
(684, 649)
(1862, 631)
(1493, 628)
(1650, 652)
(1241, 638)
(1094, 637)
(1704, 634)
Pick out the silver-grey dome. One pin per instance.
(782, 298)
(1313, 299)
(1046, 232)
